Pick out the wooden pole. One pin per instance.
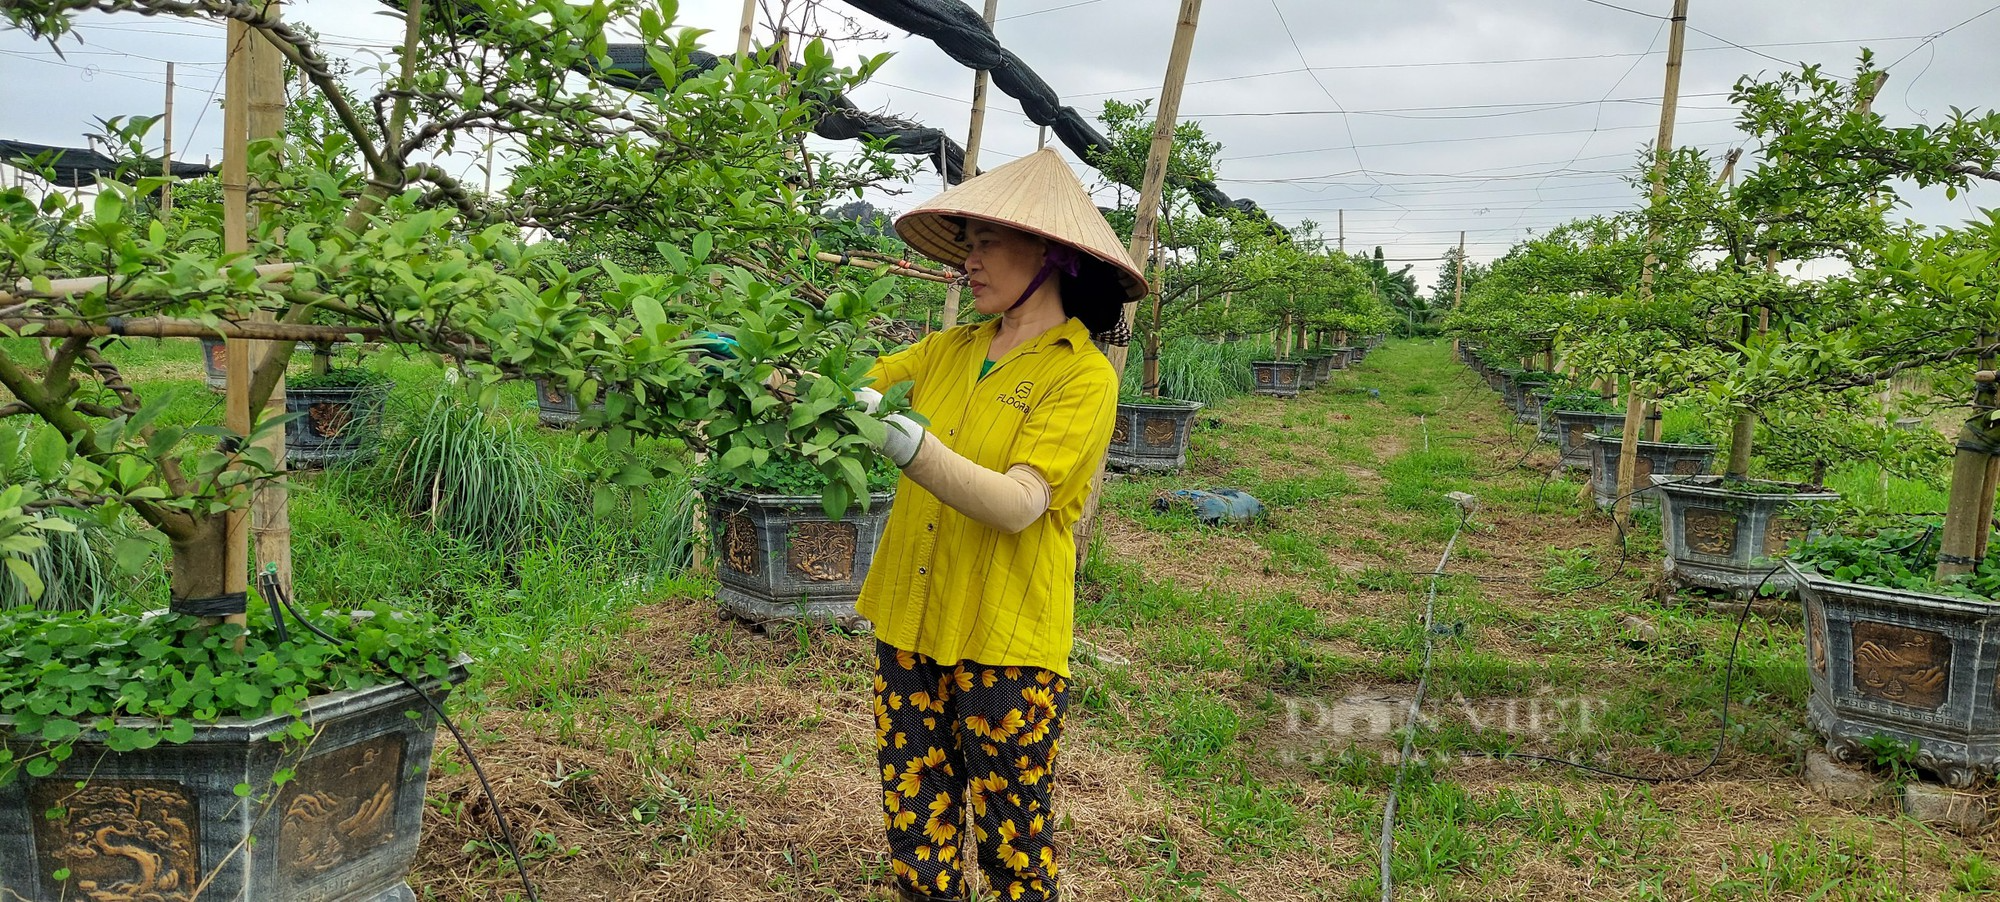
(1143, 230)
(1343, 230)
(970, 167)
(270, 508)
(1458, 292)
(236, 239)
(167, 153)
(743, 33)
(1663, 146)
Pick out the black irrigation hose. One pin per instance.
(267, 583)
(1416, 711)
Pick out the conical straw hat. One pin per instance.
(1037, 193)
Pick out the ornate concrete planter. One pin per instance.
(779, 558)
(556, 407)
(1574, 429)
(1656, 459)
(1277, 378)
(1529, 410)
(1152, 437)
(1545, 420)
(1325, 364)
(338, 424)
(1720, 537)
(215, 363)
(159, 823)
(1911, 666)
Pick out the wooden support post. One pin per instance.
(1458, 290)
(167, 152)
(743, 34)
(970, 168)
(1663, 145)
(1343, 230)
(270, 509)
(1150, 191)
(236, 239)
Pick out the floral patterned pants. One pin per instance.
(968, 735)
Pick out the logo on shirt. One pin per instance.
(1018, 400)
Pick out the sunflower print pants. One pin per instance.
(950, 737)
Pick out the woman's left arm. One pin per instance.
(1061, 443)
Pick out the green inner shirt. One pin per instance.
(986, 366)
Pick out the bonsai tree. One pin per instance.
(1918, 301)
(376, 243)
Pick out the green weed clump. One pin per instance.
(471, 475)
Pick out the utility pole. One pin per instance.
(970, 167)
(1663, 147)
(1343, 230)
(1145, 228)
(167, 152)
(1458, 292)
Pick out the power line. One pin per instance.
(1147, 89)
(1577, 131)
(1345, 121)
(1052, 9)
(1913, 50)
(1513, 107)
(1623, 9)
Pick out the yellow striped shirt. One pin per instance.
(947, 586)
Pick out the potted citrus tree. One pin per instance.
(212, 751)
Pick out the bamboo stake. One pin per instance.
(1143, 231)
(1635, 404)
(24, 291)
(970, 168)
(270, 507)
(743, 33)
(167, 153)
(236, 239)
(1458, 291)
(900, 268)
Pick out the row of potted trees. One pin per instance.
(1902, 615)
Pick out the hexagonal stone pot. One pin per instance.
(1152, 437)
(1276, 378)
(555, 407)
(336, 424)
(1731, 537)
(165, 824)
(1656, 459)
(1545, 420)
(1574, 429)
(780, 558)
(1324, 365)
(1907, 665)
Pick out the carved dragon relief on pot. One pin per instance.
(1161, 431)
(1710, 531)
(823, 552)
(1901, 665)
(120, 841)
(329, 420)
(340, 807)
(1121, 431)
(739, 544)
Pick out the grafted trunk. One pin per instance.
(1970, 509)
(199, 566)
(1741, 436)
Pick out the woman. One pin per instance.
(972, 588)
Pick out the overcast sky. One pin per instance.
(1495, 118)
